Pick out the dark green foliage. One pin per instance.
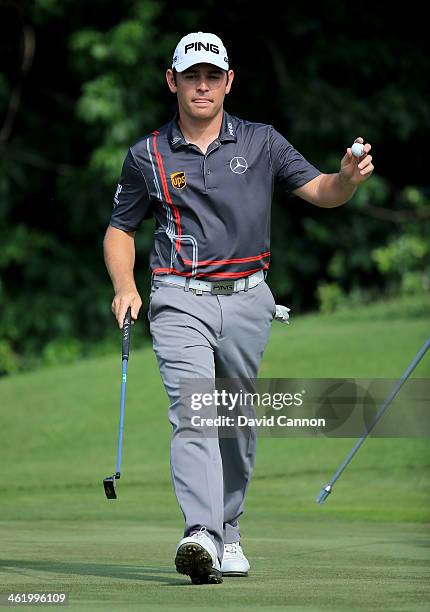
(84, 80)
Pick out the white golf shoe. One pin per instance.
(234, 562)
(197, 557)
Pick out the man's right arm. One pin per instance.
(119, 255)
(131, 206)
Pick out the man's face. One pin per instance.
(201, 89)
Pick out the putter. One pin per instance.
(110, 482)
(325, 491)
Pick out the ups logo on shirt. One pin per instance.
(178, 179)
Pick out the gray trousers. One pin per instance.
(207, 336)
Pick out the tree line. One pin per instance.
(82, 81)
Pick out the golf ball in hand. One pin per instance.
(357, 149)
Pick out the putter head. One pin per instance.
(109, 485)
(324, 493)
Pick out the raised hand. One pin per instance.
(356, 170)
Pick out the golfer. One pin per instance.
(207, 177)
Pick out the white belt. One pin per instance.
(225, 286)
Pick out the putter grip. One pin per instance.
(126, 333)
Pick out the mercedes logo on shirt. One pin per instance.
(238, 165)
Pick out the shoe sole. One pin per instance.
(235, 574)
(195, 561)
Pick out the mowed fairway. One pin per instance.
(367, 548)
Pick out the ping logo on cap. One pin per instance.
(198, 46)
(178, 179)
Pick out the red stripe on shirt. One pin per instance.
(214, 262)
(223, 274)
(176, 214)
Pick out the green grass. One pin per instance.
(367, 548)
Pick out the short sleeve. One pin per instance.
(290, 168)
(131, 201)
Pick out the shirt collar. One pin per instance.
(176, 138)
(228, 131)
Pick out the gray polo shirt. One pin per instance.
(212, 210)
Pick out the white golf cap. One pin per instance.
(199, 48)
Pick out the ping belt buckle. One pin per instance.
(222, 287)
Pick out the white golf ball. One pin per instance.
(357, 149)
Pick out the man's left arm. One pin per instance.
(331, 190)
